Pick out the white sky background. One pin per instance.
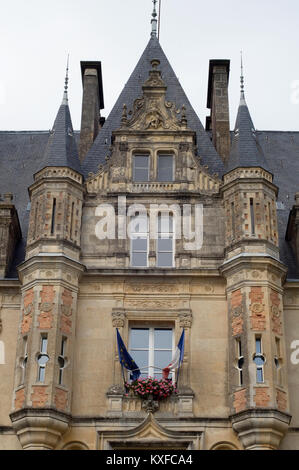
(36, 35)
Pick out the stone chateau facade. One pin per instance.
(64, 290)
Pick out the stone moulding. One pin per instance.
(260, 429)
(39, 429)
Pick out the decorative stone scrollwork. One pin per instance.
(150, 405)
(115, 390)
(185, 319)
(118, 318)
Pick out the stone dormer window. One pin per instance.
(141, 168)
(165, 168)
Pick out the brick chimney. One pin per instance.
(218, 121)
(92, 104)
(10, 232)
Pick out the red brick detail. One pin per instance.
(236, 298)
(240, 401)
(66, 311)
(47, 294)
(258, 317)
(66, 325)
(26, 324)
(262, 397)
(60, 399)
(45, 320)
(20, 399)
(237, 326)
(27, 311)
(39, 396)
(281, 399)
(276, 312)
(236, 308)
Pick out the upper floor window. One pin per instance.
(141, 168)
(165, 241)
(152, 349)
(139, 241)
(165, 168)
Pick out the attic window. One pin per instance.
(141, 168)
(165, 168)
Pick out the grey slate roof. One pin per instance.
(133, 90)
(61, 149)
(245, 148)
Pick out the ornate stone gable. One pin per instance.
(152, 112)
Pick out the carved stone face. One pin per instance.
(153, 120)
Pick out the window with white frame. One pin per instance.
(165, 241)
(139, 241)
(165, 168)
(152, 349)
(42, 359)
(140, 168)
(259, 360)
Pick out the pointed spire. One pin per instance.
(61, 149)
(245, 150)
(154, 21)
(66, 81)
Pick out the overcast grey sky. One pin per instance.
(36, 36)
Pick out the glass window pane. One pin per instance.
(141, 359)
(165, 168)
(141, 161)
(158, 375)
(258, 345)
(259, 375)
(162, 358)
(164, 260)
(139, 259)
(41, 374)
(163, 339)
(44, 344)
(165, 223)
(165, 244)
(139, 244)
(259, 361)
(139, 338)
(141, 174)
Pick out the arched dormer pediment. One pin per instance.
(150, 434)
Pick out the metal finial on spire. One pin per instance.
(242, 74)
(154, 21)
(66, 81)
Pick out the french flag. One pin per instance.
(177, 357)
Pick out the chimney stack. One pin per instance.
(218, 121)
(92, 104)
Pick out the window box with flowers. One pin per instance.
(151, 388)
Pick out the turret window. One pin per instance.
(240, 360)
(53, 216)
(42, 359)
(259, 360)
(141, 168)
(62, 360)
(165, 168)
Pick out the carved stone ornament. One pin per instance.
(28, 309)
(115, 390)
(150, 405)
(257, 309)
(275, 310)
(66, 310)
(46, 307)
(118, 318)
(238, 311)
(152, 111)
(185, 319)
